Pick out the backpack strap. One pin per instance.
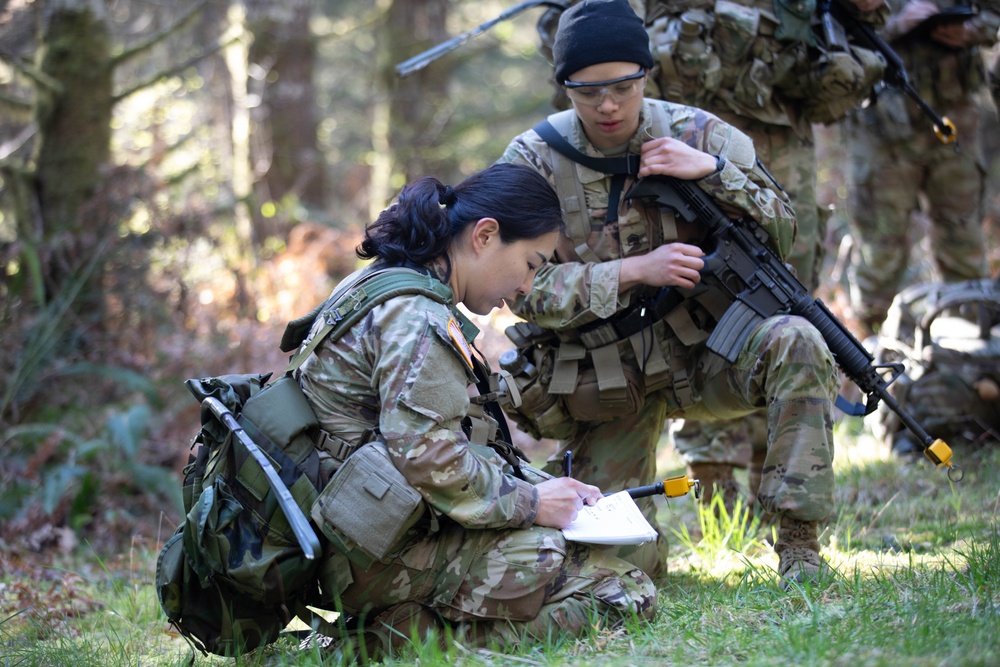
(360, 293)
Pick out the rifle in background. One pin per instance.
(895, 71)
(422, 60)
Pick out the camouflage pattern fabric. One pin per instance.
(476, 556)
(759, 59)
(741, 187)
(785, 366)
(895, 157)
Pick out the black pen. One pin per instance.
(568, 463)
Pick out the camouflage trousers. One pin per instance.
(785, 367)
(890, 172)
(791, 159)
(499, 587)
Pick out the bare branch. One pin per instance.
(10, 146)
(170, 71)
(36, 75)
(15, 108)
(160, 36)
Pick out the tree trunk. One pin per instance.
(74, 137)
(288, 165)
(406, 142)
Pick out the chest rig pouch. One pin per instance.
(758, 57)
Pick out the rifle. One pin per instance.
(895, 71)
(740, 262)
(422, 60)
(296, 519)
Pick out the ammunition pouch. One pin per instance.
(688, 74)
(589, 403)
(369, 506)
(608, 374)
(757, 61)
(541, 414)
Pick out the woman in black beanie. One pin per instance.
(620, 369)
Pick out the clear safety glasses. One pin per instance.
(592, 93)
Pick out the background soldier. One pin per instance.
(894, 158)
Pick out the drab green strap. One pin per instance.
(349, 305)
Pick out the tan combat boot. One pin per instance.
(798, 552)
(716, 478)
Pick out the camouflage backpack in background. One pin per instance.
(947, 337)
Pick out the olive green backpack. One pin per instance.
(234, 575)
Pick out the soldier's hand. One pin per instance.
(867, 5)
(954, 35)
(672, 264)
(672, 157)
(907, 18)
(560, 499)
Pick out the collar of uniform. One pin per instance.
(469, 330)
(580, 141)
(435, 271)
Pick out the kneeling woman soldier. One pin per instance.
(484, 558)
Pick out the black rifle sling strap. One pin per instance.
(618, 167)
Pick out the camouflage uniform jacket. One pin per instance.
(943, 76)
(568, 292)
(404, 371)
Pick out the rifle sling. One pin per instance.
(618, 167)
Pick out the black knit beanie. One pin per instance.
(599, 31)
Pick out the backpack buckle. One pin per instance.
(349, 303)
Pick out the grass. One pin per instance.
(917, 582)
